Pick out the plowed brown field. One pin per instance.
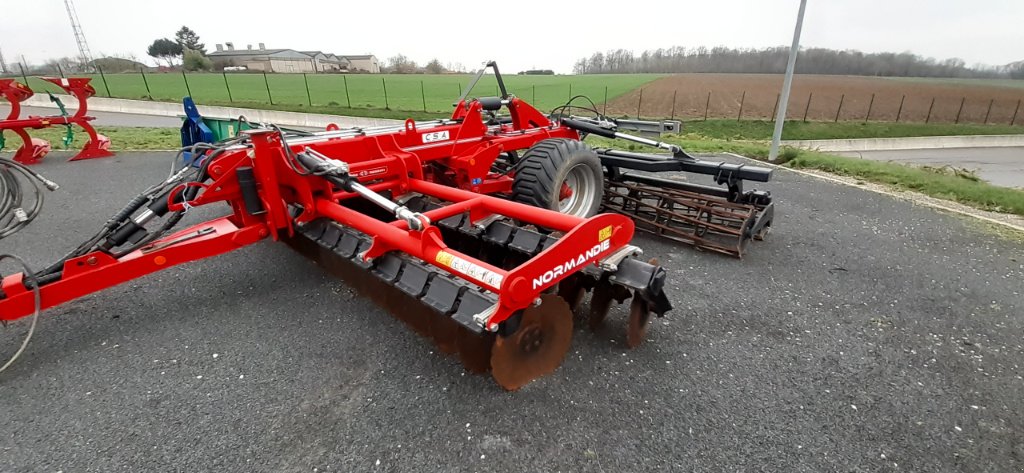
(825, 93)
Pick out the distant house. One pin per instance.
(262, 59)
(289, 60)
(365, 63)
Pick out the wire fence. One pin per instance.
(836, 106)
(435, 94)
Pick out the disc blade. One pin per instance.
(600, 305)
(444, 332)
(537, 347)
(474, 350)
(639, 320)
(571, 289)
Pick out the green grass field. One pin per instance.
(418, 92)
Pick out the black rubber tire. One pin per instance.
(544, 167)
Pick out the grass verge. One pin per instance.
(122, 138)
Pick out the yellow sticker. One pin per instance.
(444, 258)
(605, 233)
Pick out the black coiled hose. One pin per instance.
(15, 180)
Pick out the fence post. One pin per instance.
(808, 108)
(23, 76)
(533, 97)
(743, 98)
(60, 70)
(105, 86)
(989, 112)
(900, 111)
(638, 103)
(570, 91)
(460, 90)
(706, 106)
(928, 118)
(1015, 110)
(185, 78)
(776, 107)
(305, 81)
(384, 82)
(961, 109)
(267, 83)
(423, 95)
(226, 86)
(840, 109)
(674, 92)
(347, 99)
(145, 82)
(605, 100)
(870, 104)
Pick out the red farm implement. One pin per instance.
(33, 149)
(480, 231)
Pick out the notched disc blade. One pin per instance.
(537, 347)
(600, 305)
(639, 319)
(571, 289)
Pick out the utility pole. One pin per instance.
(76, 27)
(787, 83)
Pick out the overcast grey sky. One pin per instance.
(523, 34)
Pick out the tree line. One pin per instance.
(773, 61)
(402, 64)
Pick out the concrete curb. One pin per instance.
(923, 142)
(169, 109)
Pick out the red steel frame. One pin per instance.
(395, 162)
(16, 92)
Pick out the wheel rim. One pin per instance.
(581, 181)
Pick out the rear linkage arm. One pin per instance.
(731, 175)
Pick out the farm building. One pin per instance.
(324, 62)
(290, 60)
(366, 63)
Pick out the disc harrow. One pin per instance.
(481, 232)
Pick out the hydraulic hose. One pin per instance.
(15, 180)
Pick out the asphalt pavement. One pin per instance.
(999, 166)
(865, 334)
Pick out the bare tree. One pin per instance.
(400, 64)
(435, 67)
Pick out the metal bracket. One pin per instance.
(483, 223)
(484, 316)
(611, 262)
